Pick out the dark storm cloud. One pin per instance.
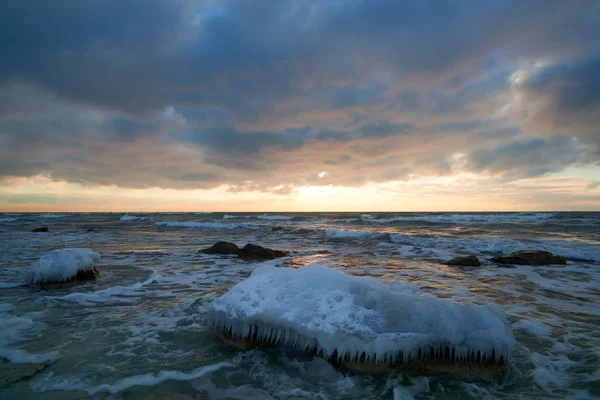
(189, 93)
(527, 158)
(564, 98)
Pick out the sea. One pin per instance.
(141, 331)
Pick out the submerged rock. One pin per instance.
(256, 252)
(467, 261)
(221, 248)
(42, 229)
(12, 373)
(250, 251)
(530, 257)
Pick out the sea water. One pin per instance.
(142, 331)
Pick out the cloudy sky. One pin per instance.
(307, 105)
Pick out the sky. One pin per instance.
(299, 105)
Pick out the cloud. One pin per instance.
(562, 98)
(527, 158)
(265, 95)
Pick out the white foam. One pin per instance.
(334, 233)
(275, 217)
(62, 264)
(419, 385)
(318, 307)
(533, 328)
(113, 294)
(205, 225)
(485, 218)
(128, 217)
(571, 250)
(551, 372)
(2, 220)
(49, 382)
(425, 253)
(14, 329)
(54, 215)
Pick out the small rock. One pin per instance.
(42, 229)
(277, 228)
(530, 257)
(467, 261)
(222, 248)
(256, 252)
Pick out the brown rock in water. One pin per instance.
(222, 248)
(42, 229)
(81, 277)
(530, 257)
(256, 252)
(468, 261)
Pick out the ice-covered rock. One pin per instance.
(360, 321)
(64, 266)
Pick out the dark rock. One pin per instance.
(468, 261)
(222, 248)
(277, 228)
(42, 229)
(12, 373)
(530, 257)
(256, 252)
(91, 229)
(81, 277)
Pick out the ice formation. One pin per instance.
(62, 265)
(359, 320)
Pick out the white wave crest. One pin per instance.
(54, 215)
(128, 217)
(334, 233)
(192, 224)
(275, 217)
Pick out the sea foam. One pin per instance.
(324, 310)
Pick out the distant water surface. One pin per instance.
(141, 331)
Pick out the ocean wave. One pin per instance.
(335, 233)
(54, 215)
(192, 224)
(4, 220)
(128, 217)
(275, 217)
(50, 382)
(227, 216)
(484, 218)
(489, 245)
(463, 218)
